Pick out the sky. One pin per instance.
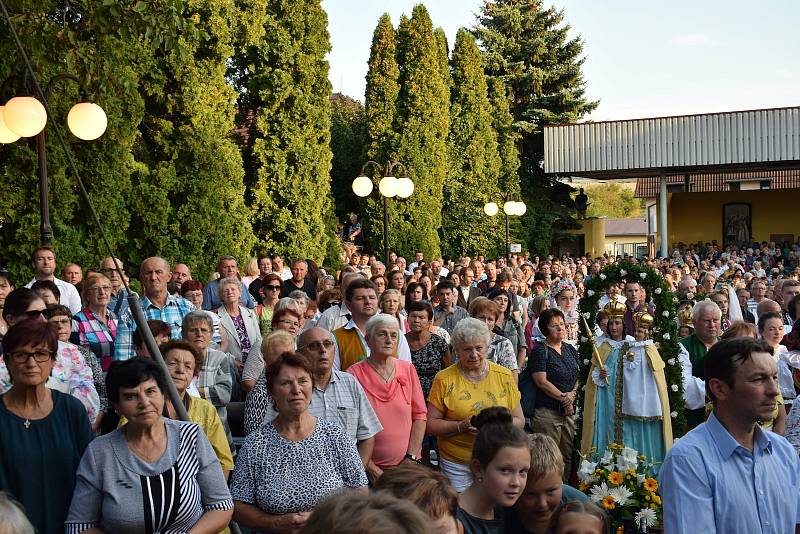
(642, 58)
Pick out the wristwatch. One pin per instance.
(413, 457)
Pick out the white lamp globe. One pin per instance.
(404, 187)
(87, 121)
(6, 135)
(362, 186)
(491, 209)
(25, 116)
(521, 208)
(388, 186)
(510, 207)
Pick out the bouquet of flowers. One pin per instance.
(621, 483)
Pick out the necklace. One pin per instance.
(27, 423)
(385, 377)
(481, 376)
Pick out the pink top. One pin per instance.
(397, 404)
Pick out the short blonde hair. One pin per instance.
(275, 338)
(546, 458)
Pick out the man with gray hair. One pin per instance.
(707, 321)
(227, 268)
(156, 303)
(299, 281)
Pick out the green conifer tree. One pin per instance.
(527, 45)
(284, 89)
(422, 127)
(473, 156)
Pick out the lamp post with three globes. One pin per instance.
(389, 186)
(26, 116)
(510, 207)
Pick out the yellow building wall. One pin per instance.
(594, 235)
(625, 239)
(694, 217)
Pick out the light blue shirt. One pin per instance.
(710, 483)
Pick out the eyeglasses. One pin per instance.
(104, 289)
(318, 345)
(38, 355)
(273, 288)
(289, 323)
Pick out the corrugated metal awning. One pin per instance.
(647, 187)
(734, 141)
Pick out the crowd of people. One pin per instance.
(422, 396)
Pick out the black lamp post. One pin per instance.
(389, 187)
(25, 116)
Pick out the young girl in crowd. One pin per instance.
(579, 517)
(500, 463)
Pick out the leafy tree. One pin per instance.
(422, 125)
(528, 47)
(380, 108)
(613, 200)
(348, 145)
(474, 159)
(282, 75)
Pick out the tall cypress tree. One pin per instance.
(422, 127)
(380, 109)
(283, 78)
(473, 157)
(528, 47)
(444, 55)
(188, 205)
(348, 144)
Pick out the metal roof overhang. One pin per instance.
(760, 140)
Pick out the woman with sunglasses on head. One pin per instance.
(43, 432)
(70, 374)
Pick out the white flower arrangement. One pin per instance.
(674, 415)
(586, 361)
(666, 335)
(590, 292)
(623, 272)
(665, 313)
(602, 276)
(671, 361)
(674, 387)
(643, 275)
(621, 495)
(657, 291)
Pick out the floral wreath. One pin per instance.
(565, 284)
(665, 331)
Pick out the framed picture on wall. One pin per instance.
(736, 223)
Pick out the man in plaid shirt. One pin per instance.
(157, 303)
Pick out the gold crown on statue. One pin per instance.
(615, 308)
(643, 319)
(685, 317)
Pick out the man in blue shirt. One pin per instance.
(227, 268)
(728, 475)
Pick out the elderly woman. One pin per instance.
(153, 474)
(43, 432)
(96, 325)
(393, 388)
(259, 399)
(429, 353)
(390, 302)
(71, 374)
(237, 323)
(292, 463)
(500, 350)
(509, 326)
(61, 317)
(214, 381)
(192, 290)
(288, 319)
(460, 392)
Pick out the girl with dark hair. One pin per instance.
(499, 465)
(415, 292)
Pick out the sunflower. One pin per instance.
(650, 485)
(608, 503)
(616, 478)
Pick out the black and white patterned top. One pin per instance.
(282, 476)
(256, 406)
(118, 492)
(428, 361)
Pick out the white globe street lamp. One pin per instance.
(362, 186)
(6, 135)
(405, 187)
(388, 186)
(491, 209)
(25, 116)
(87, 121)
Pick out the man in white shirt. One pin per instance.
(43, 260)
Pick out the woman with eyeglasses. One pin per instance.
(288, 319)
(95, 323)
(270, 292)
(43, 432)
(70, 372)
